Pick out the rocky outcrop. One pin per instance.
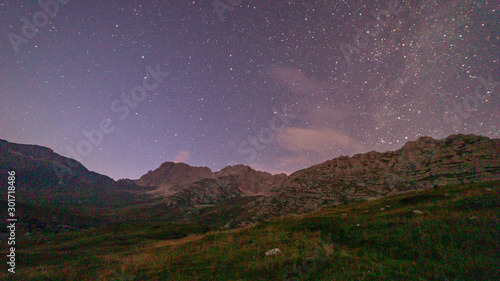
(252, 182)
(205, 192)
(241, 194)
(172, 177)
(424, 163)
(183, 185)
(420, 164)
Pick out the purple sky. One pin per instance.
(123, 86)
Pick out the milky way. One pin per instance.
(123, 86)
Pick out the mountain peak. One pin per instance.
(426, 142)
(171, 173)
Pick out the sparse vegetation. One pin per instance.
(455, 238)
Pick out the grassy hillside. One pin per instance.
(449, 233)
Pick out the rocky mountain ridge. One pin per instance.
(171, 177)
(424, 163)
(54, 193)
(420, 164)
(182, 184)
(32, 158)
(240, 194)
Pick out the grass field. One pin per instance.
(450, 233)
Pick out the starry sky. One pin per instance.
(123, 86)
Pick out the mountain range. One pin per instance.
(236, 195)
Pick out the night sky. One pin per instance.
(123, 86)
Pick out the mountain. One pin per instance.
(33, 160)
(171, 177)
(54, 193)
(237, 195)
(182, 184)
(424, 163)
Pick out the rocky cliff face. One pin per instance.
(241, 194)
(424, 163)
(184, 185)
(172, 177)
(252, 182)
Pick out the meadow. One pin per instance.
(449, 233)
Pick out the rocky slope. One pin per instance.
(420, 164)
(183, 185)
(31, 160)
(239, 194)
(424, 163)
(172, 177)
(252, 182)
(55, 193)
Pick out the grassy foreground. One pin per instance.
(450, 233)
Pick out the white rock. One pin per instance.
(273, 252)
(418, 212)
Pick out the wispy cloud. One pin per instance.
(182, 156)
(307, 147)
(318, 140)
(319, 137)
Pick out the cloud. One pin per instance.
(306, 147)
(321, 140)
(314, 100)
(319, 103)
(182, 156)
